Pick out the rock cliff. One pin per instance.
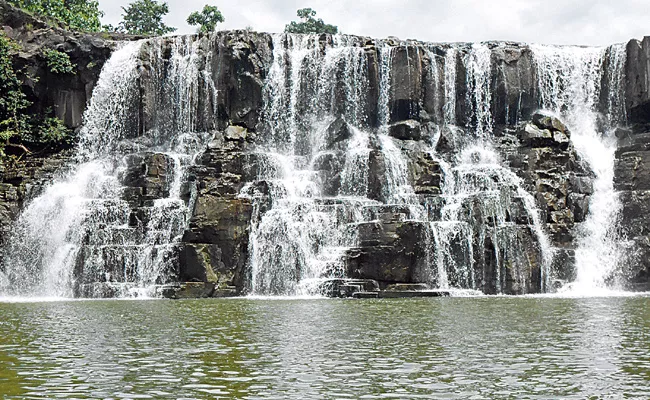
(397, 176)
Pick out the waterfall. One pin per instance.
(311, 78)
(312, 133)
(349, 156)
(450, 86)
(104, 227)
(570, 85)
(478, 66)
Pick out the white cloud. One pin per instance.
(588, 22)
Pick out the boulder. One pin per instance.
(388, 252)
(406, 130)
(338, 131)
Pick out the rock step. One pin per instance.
(195, 290)
(400, 294)
(404, 287)
(365, 295)
(388, 294)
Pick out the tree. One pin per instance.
(144, 17)
(310, 24)
(206, 19)
(82, 15)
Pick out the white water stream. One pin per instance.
(570, 86)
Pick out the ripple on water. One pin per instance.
(458, 348)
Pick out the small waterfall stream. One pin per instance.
(570, 85)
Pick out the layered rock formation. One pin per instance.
(322, 157)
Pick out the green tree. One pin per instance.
(207, 19)
(82, 15)
(144, 17)
(310, 24)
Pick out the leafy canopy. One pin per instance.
(310, 24)
(207, 19)
(81, 15)
(144, 17)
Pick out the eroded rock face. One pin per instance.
(389, 252)
(637, 72)
(392, 247)
(632, 179)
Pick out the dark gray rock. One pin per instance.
(637, 74)
(406, 130)
(388, 253)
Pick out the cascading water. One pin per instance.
(477, 62)
(479, 193)
(104, 228)
(570, 85)
(307, 83)
(346, 150)
(310, 211)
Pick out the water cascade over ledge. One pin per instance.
(279, 164)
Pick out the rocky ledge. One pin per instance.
(212, 258)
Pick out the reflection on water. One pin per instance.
(457, 348)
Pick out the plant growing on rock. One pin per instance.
(144, 17)
(81, 15)
(310, 24)
(207, 19)
(13, 101)
(17, 126)
(58, 62)
(52, 130)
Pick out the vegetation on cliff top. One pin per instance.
(207, 19)
(144, 17)
(80, 15)
(310, 24)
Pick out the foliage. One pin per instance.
(207, 19)
(12, 100)
(58, 62)
(17, 126)
(82, 15)
(52, 130)
(310, 24)
(144, 17)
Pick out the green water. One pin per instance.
(456, 348)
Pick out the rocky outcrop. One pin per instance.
(637, 73)
(216, 244)
(394, 246)
(65, 94)
(632, 179)
(552, 169)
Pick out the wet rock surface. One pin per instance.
(393, 245)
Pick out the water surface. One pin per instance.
(456, 348)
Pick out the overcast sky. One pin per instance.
(587, 22)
